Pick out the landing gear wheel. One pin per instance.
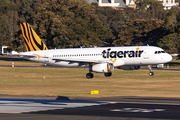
(151, 73)
(89, 75)
(150, 69)
(107, 74)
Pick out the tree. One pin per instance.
(143, 5)
(170, 43)
(171, 21)
(12, 12)
(151, 9)
(69, 23)
(7, 19)
(112, 19)
(171, 39)
(140, 32)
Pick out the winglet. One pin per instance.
(32, 40)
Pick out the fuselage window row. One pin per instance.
(77, 55)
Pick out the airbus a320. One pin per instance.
(99, 59)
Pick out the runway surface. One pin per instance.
(114, 108)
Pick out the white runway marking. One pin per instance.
(22, 106)
(137, 110)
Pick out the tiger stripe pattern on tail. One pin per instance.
(32, 40)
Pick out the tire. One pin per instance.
(107, 74)
(151, 73)
(89, 75)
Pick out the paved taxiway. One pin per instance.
(114, 108)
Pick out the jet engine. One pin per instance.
(103, 68)
(129, 67)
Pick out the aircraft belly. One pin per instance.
(138, 61)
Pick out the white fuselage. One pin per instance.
(81, 57)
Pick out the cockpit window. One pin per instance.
(158, 52)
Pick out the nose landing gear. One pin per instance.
(150, 69)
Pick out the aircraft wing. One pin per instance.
(81, 60)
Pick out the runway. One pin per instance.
(114, 108)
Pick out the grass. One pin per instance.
(72, 82)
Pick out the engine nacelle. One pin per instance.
(129, 67)
(161, 66)
(103, 68)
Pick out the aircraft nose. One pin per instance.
(169, 58)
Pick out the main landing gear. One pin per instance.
(150, 69)
(108, 74)
(89, 75)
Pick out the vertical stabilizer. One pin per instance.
(32, 40)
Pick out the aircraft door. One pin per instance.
(46, 58)
(146, 53)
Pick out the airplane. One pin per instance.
(98, 59)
